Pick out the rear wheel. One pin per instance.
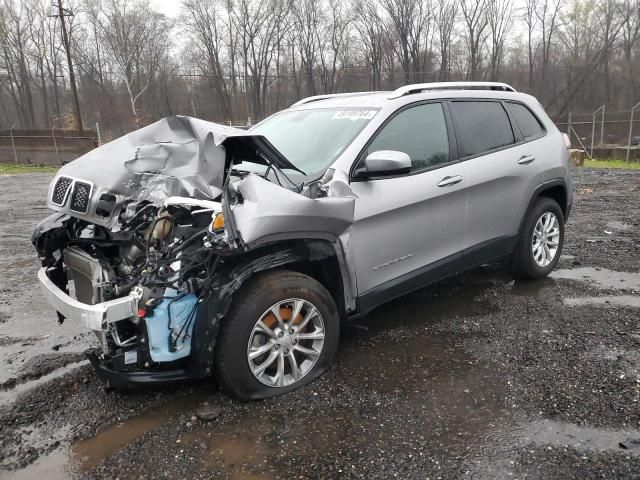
(541, 240)
(281, 333)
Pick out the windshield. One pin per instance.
(313, 139)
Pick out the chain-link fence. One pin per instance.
(44, 147)
(601, 134)
(605, 134)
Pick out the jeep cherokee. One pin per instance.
(191, 248)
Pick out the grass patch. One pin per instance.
(597, 163)
(11, 169)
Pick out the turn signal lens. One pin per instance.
(218, 222)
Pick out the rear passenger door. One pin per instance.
(502, 169)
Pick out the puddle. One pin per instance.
(453, 405)
(617, 226)
(600, 277)
(533, 288)
(87, 454)
(54, 466)
(449, 400)
(618, 300)
(84, 455)
(624, 362)
(11, 395)
(559, 434)
(431, 305)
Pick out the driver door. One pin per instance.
(408, 228)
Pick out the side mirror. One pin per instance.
(385, 162)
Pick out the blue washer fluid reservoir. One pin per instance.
(178, 309)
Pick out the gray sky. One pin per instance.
(168, 7)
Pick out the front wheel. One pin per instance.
(281, 333)
(541, 240)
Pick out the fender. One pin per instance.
(556, 182)
(214, 307)
(229, 280)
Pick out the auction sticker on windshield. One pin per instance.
(354, 115)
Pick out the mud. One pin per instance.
(480, 376)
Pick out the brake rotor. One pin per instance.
(271, 321)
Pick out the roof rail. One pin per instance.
(316, 98)
(420, 87)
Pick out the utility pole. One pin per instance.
(72, 77)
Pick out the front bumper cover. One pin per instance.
(135, 380)
(95, 317)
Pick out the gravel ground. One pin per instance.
(476, 377)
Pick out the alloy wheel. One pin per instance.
(286, 342)
(546, 239)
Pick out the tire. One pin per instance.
(525, 263)
(240, 336)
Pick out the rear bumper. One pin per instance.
(95, 317)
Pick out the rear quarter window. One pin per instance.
(527, 121)
(481, 126)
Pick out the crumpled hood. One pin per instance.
(181, 147)
(176, 156)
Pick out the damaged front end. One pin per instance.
(153, 233)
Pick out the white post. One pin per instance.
(13, 144)
(635, 107)
(98, 134)
(593, 128)
(55, 144)
(602, 127)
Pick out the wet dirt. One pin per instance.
(28, 328)
(480, 376)
(601, 277)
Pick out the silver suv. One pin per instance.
(191, 248)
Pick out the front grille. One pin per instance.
(60, 191)
(80, 197)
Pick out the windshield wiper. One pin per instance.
(277, 170)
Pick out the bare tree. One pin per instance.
(15, 40)
(630, 35)
(235, 58)
(333, 39)
(202, 22)
(530, 19)
(476, 21)
(499, 19)
(547, 13)
(136, 39)
(307, 20)
(410, 22)
(259, 23)
(446, 17)
(611, 24)
(368, 24)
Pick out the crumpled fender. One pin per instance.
(270, 212)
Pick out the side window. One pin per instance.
(420, 132)
(481, 126)
(528, 123)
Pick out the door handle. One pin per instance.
(447, 181)
(526, 159)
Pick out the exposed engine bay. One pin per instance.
(154, 231)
